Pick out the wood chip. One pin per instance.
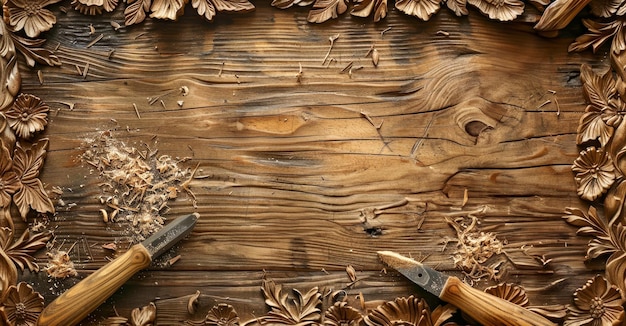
(116, 25)
(382, 33)
(92, 30)
(86, 70)
(465, 198)
(442, 33)
(351, 273)
(110, 246)
(40, 76)
(136, 111)
(332, 40)
(96, 40)
(192, 304)
(375, 57)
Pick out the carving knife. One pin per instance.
(485, 308)
(76, 303)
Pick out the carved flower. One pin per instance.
(409, 311)
(595, 173)
(9, 180)
(502, 10)
(27, 115)
(509, 292)
(340, 314)
(31, 16)
(167, 9)
(597, 303)
(222, 315)
(22, 305)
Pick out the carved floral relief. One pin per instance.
(598, 171)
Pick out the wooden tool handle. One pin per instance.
(76, 303)
(488, 309)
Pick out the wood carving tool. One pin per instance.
(76, 303)
(485, 308)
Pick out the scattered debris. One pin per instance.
(96, 40)
(92, 30)
(192, 304)
(110, 246)
(40, 76)
(60, 265)
(299, 75)
(116, 25)
(136, 111)
(475, 248)
(375, 57)
(332, 40)
(442, 33)
(351, 273)
(382, 33)
(137, 184)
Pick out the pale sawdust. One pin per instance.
(137, 184)
(475, 249)
(59, 264)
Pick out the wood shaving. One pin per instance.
(474, 249)
(351, 273)
(192, 304)
(60, 265)
(137, 185)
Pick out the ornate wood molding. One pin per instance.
(599, 170)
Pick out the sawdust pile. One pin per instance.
(475, 249)
(137, 184)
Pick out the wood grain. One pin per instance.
(291, 172)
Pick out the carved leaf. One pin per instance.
(302, 310)
(8, 271)
(458, 6)
(616, 265)
(284, 4)
(364, 8)
(592, 127)
(324, 10)
(590, 224)
(27, 164)
(241, 6)
(614, 202)
(204, 8)
(599, 32)
(33, 52)
(559, 14)
(135, 12)
(598, 90)
(619, 40)
(9, 73)
(22, 249)
(605, 8)
(598, 247)
(167, 9)
(421, 9)
(502, 10)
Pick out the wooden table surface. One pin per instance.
(295, 173)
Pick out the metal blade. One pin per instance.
(169, 235)
(420, 274)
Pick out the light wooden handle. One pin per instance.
(76, 303)
(488, 309)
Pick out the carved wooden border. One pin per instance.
(599, 170)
